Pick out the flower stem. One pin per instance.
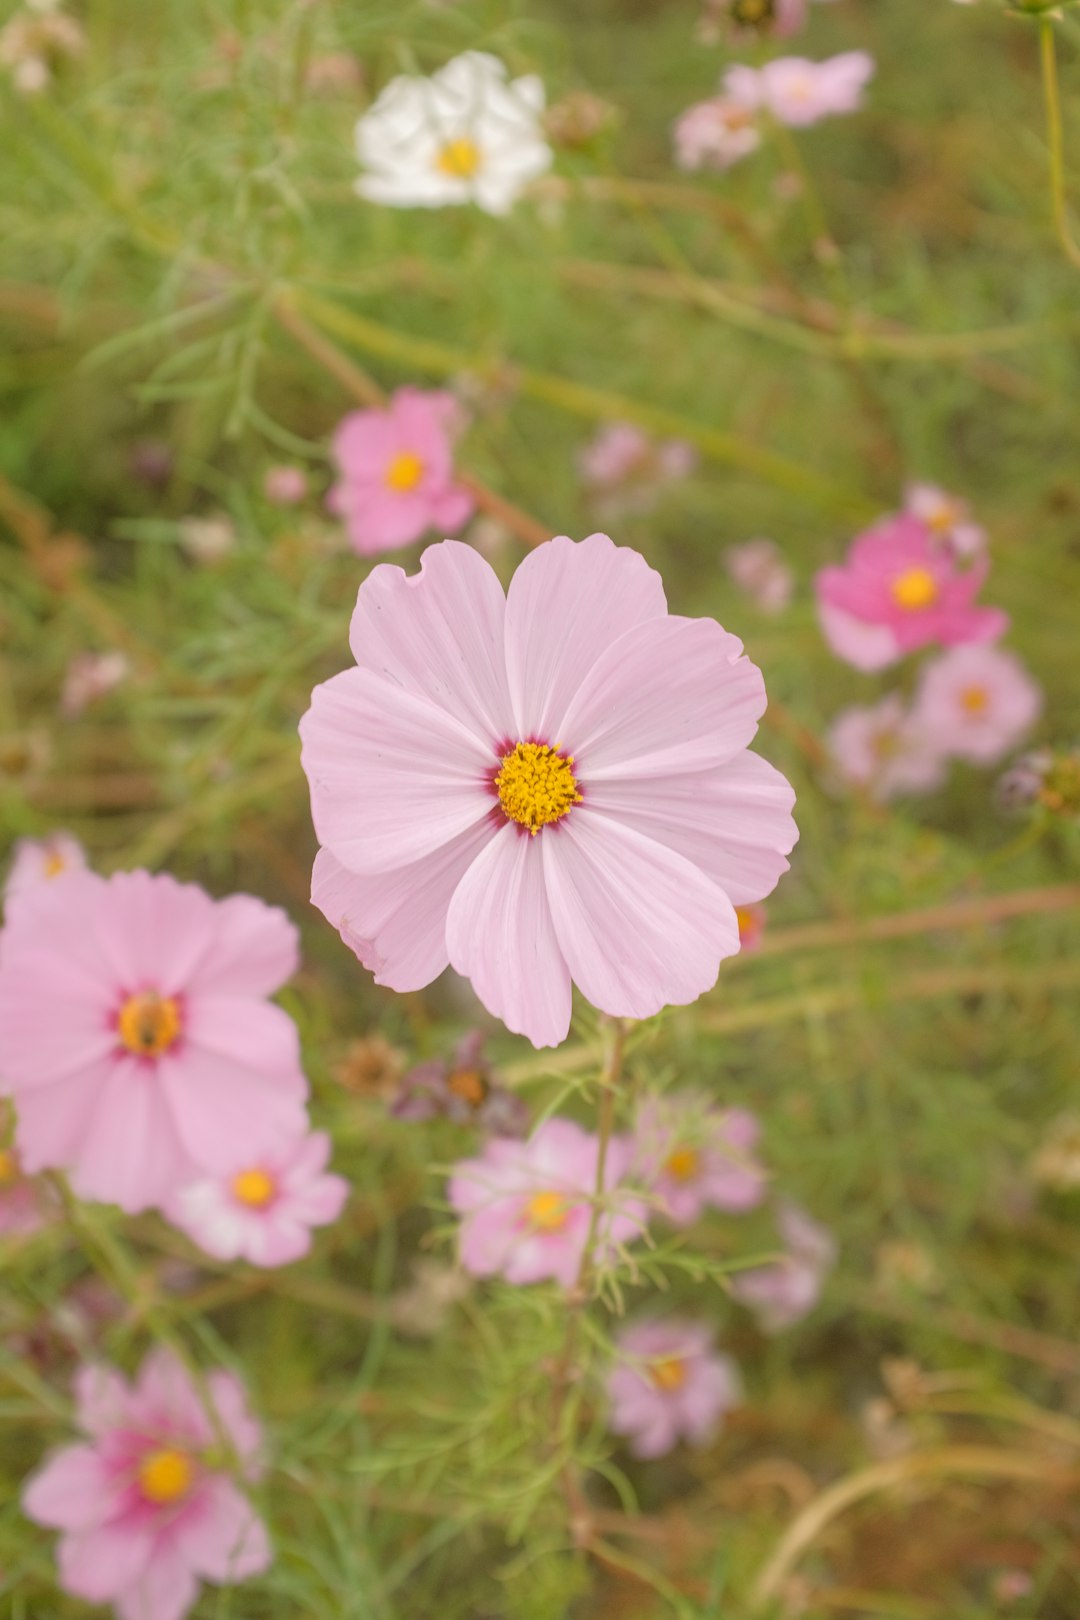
(1048, 56)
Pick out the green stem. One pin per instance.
(1055, 140)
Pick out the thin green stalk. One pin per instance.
(1055, 140)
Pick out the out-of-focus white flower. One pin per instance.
(207, 539)
(466, 134)
(35, 40)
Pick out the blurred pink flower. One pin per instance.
(40, 860)
(977, 703)
(548, 787)
(397, 472)
(784, 1292)
(883, 749)
(692, 1157)
(263, 1210)
(751, 921)
(285, 486)
(526, 1207)
(465, 1089)
(625, 469)
(145, 1501)
(91, 676)
(135, 1033)
(715, 134)
(898, 592)
(669, 1385)
(947, 517)
(758, 568)
(798, 92)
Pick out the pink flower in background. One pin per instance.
(264, 1209)
(135, 1033)
(625, 469)
(751, 921)
(947, 517)
(692, 1157)
(977, 703)
(90, 677)
(145, 1502)
(783, 1293)
(396, 472)
(526, 1207)
(547, 787)
(897, 592)
(759, 570)
(38, 860)
(715, 134)
(798, 92)
(285, 486)
(750, 19)
(669, 1385)
(884, 749)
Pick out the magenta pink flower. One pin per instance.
(669, 1385)
(526, 1207)
(885, 750)
(692, 1157)
(540, 788)
(135, 1033)
(715, 134)
(751, 921)
(146, 1502)
(39, 860)
(948, 518)
(977, 703)
(799, 92)
(897, 592)
(396, 470)
(263, 1210)
(782, 1293)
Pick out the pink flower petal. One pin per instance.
(54, 1120)
(138, 1166)
(222, 1538)
(101, 1399)
(254, 949)
(152, 929)
(165, 1590)
(221, 1107)
(101, 1564)
(867, 647)
(73, 1491)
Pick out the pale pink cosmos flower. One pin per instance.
(548, 787)
(882, 748)
(897, 592)
(691, 1157)
(799, 92)
(715, 134)
(146, 1501)
(396, 472)
(669, 1385)
(947, 517)
(39, 860)
(782, 1293)
(977, 703)
(751, 921)
(285, 485)
(136, 1036)
(90, 677)
(527, 1207)
(265, 1207)
(758, 569)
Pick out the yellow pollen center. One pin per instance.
(915, 588)
(547, 1212)
(745, 919)
(459, 159)
(404, 472)
(254, 1187)
(54, 865)
(149, 1024)
(8, 1168)
(669, 1374)
(683, 1164)
(941, 519)
(469, 1086)
(166, 1476)
(973, 699)
(536, 785)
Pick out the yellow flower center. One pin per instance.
(913, 589)
(459, 159)
(254, 1187)
(974, 699)
(166, 1476)
(54, 864)
(149, 1024)
(942, 518)
(547, 1212)
(669, 1374)
(404, 472)
(536, 785)
(468, 1085)
(8, 1167)
(683, 1164)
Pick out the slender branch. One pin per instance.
(1055, 140)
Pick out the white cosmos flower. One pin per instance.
(467, 134)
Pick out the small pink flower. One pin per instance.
(885, 750)
(397, 474)
(90, 677)
(977, 703)
(715, 134)
(669, 1385)
(136, 1036)
(526, 1207)
(285, 486)
(544, 787)
(40, 860)
(758, 569)
(146, 1501)
(751, 921)
(626, 470)
(782, 1293)
(799, 92)
(263, 1210)
(897, 592)
(692, 1157)
(948, 519)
